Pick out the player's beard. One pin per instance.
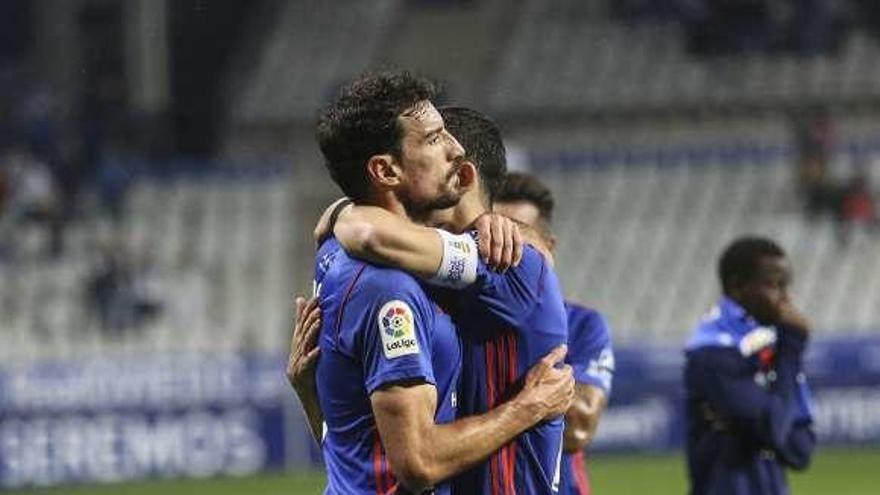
(448, 195)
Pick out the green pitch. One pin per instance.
(838, 472)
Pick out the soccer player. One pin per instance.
(506, 321)
(526, 199)
(389, 358)
(748, 406)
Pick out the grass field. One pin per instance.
(834, 472)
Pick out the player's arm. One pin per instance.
(382, 237)
(582, 418)
(765, 414)
(451, 260)
(302, 361)
(592, 361)
(422, 453)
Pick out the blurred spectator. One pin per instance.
(122, 289)
(31, 198)
(113, 181)
(814, 139)
(146, 290)
(41, 124)
(857, 205)
(102, 115)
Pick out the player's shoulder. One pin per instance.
(580, 311)
(528, 273)
(383, 282)
(586, 319)
(532, 259)
(534, 270)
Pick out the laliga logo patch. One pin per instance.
(397, 328)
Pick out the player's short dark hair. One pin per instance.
(363, 122)
(481, 138)
(527, 188)
(741, 258)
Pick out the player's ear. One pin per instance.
(384, 171)
(467, 174)
(551, 242)
(735, 287)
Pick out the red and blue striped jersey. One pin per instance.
(507, 323)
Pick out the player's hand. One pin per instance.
(791, 317)
(548, 390)
(304, 347)
(500, 241)
(324, 228)
(537, 241)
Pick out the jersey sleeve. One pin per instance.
(590, 353)
(511, 296)
(397, 339)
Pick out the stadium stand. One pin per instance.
(569, 55)
(640, 238)
(213, 249)
(314, 48)
(640, 232)
(655, 199)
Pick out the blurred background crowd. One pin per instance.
(126, 126)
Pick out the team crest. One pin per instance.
(398, 330)
(756, 340)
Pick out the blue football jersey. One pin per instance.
(507, 323)
(378, 328)
(747, 405)
(592, 361)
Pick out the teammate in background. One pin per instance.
(506, 321)
(525, 198)
(389, 359)
(748, 405)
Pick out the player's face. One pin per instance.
(430, 159)
(764, 296)
(529, 214)
(521, 211)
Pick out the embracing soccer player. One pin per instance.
(385, 383)
(506, 321)
(526, 199)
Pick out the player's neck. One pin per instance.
(467, 211)
(388, 201)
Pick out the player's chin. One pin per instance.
(446, 201)
(448, 196)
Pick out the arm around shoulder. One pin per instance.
(382, 237)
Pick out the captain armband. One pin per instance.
(460, 259)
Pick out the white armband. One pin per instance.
(460, 259)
